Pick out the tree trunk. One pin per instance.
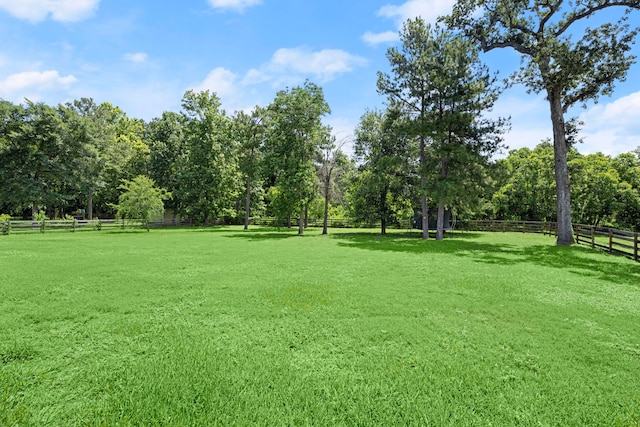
(90, 204)
(306, 215)
(34, 210)
(383, 210)
(423, 188)
(326, 208)
(301, 222)
(440, 226)
(560, 149)
(440, 220)
(247, 205)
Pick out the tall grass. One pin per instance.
(225, 327)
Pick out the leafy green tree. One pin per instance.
(329, 171)
(570, 69)
(409, 89)
(249, 130)
(208, 180)
(527, 192)
(141, 200)
(462, 140)
(600, 195)
(294, 137)
(117, 151)
(382, 187)
(166, 141)
(41, 152)
(443, 89)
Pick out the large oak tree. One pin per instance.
(567, 62)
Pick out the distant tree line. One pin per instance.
(605, 190)
(431, 147)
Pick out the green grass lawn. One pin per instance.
(225, 327)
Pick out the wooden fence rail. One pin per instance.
(541, 227)
(611, 240)
(48, 225)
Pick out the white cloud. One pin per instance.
(429, 10)
(221, 81)
(17, 84)
(613, 127)
(233, 5)
(291, 65)
(342, 128)
(374, 39)
(623, 111)
(233, 94)
(137, 57)
(58, 10)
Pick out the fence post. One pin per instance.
(635, 246)
(610, 240)
(593, 237)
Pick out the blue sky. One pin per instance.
(143, 55)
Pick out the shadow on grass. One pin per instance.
(413, 243)
(266, 233)
(575, 258)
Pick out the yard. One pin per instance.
(224, 327)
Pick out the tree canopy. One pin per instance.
(569, 64)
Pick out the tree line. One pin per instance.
(430, 147)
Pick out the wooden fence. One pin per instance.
(48, 225)
(541, 227)
(611, 240)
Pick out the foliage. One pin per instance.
(528, 187)
(604, 191)
(382, 189)
(294, 137)
(166, 141)
(567, 67)
(250, 133)
(208, 180)
(116, 151)
(442, 90)
(141, 200)
(41, 152)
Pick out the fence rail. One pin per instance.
(542, 227)
(48, 225)
(611, 240)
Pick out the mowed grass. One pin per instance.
(226, 327)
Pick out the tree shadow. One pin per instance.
(574, 258)
(577, 259)
(266, 233)
(413, 243)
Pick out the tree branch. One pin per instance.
(486, 47)
(552, 10)
(633, 4)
